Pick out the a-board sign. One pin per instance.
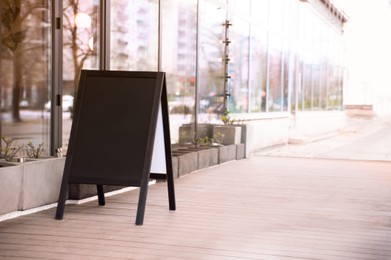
(112, 142)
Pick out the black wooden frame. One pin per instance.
(159, 99)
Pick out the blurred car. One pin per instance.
(67, 103)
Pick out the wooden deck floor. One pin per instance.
(258, 208)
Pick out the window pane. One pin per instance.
(238, 65)
(25, 71)
(211, 52)
(80, 39)
(134, 35)
(275, 102)
(179, 20)
(260, 12)
(276, 18)
(258, 70)
(308, 58)
(323, 66)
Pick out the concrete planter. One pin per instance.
(190, 158)
(227, 153)
(230, 134)
(186, 132)
(175, 167)
(31, 184)
(206, 155)
(187, 161)
(10, 187)
(41, 182)
(240, 151)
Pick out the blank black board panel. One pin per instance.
(114, 126)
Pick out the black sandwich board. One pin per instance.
(113, 134)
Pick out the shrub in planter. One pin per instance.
(228, 133)
(186, 132)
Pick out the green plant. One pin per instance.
(34, 152)
(226, 119)
(218, 137)
(204, 141)
(8, 151)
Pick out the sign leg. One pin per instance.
(101, 195)
(61, 201)
(141, 204)
(171, 192)
(167, 147)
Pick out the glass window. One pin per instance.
(25, 71)
(238, 65)
(276, 17)
(211, 59)
(334, 73)
(80, 51)
(134, 35)
(179, 20)
(316, 69)
(274, 94)
(260, 13)
(258, 68)
(308, 58)
(258, 55)
(288, 73)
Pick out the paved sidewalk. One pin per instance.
(362, 139)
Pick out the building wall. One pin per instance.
(368, 54)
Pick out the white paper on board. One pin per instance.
(158, 164)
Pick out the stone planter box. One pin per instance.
(190, 158)
(175, 167)
(187, 161)
(240, 151)
(208, 158)
(230, 134)
(10, 187)
(186, 132)
(31, 184)
(227, 153)
(41, 182)
(206, 155)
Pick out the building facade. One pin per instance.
(273, 64)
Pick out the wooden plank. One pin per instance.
(258, 208)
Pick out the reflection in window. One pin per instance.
(276, 18)
(134, 35)
(258, 68)
(25, 59)
(238, 65)
(274, 96)
(179, 62)
(288, 72)
(258, 59)
(309, 59)
(80, 50)
(211, 52)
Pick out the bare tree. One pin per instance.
(75, 38)
(14, 31)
